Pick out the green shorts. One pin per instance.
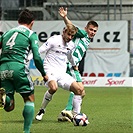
(74, 73)
(15, 78)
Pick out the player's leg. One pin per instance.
(7, 89)
(77, 99)
(67, 82)
(70, 71)
(80, 84)
(46, 99)
(9, 100)
(28, 111)
(24, 86)
(69, 105)
(76, 75)
(2, 98)
(52, 84)
(68, 110)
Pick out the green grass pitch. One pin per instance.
(110, 110)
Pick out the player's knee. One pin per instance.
(81, 90)
(78, 91)
(52, 87)
(52, 90)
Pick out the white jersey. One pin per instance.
(56, 52)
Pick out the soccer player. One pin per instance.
(82, 44)
(14, 72)
(57, 49)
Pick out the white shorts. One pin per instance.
(63, 80)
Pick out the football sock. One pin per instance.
(7, 102)
(70, 102)
(77, 101)
(46, 99)
(28, 114)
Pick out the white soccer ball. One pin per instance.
(80, 120)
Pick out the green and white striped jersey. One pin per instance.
(82, 42)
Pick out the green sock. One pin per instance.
(70, 100)
(8, 104)
(28, 114)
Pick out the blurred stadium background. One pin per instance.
(99, 10)
(109, 109)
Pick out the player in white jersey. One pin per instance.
(57, 48)
(82, 44)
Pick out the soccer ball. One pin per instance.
(80, 120)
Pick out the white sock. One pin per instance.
(46, 99)
(77, 101)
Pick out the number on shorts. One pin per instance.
(11, 41)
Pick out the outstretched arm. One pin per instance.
(63, 14)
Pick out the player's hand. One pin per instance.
(62, 12)
(45, 78)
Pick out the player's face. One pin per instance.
(68, 36)
(91, 30)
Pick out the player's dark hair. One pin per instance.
(26, 17)
(94, 23)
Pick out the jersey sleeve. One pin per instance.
(80, 33)
(46, 46)
(36, 56)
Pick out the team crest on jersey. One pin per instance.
(46, 43)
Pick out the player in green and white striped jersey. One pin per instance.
(82, 41)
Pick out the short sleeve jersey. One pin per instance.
(16, 45)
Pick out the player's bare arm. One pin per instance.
(63, 13)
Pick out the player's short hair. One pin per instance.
(94, 23)
(26, 17)
(71, 28)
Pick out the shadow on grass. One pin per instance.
(34, 121)
(45, 121)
